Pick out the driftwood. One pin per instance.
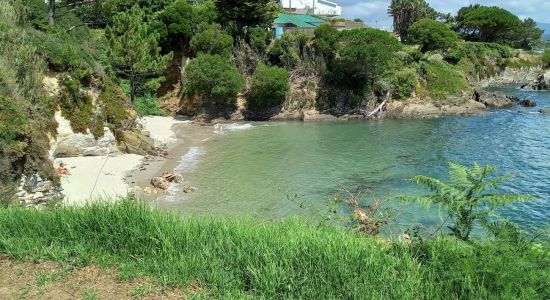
(378, 110)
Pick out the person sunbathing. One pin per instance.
(62, 170)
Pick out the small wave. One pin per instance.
(224, 128)
(189, 160)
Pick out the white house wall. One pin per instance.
(322, 7)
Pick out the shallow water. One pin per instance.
(245, 169)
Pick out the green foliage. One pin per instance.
(269, 88)
(406, 12)
(174, 25)
(404, 83)
(249, 259)
(363, 56)
(148, 106)
(546, 58)
(76, 105)
(134, 51)
(432, 35)
(326, 37)
(286, 50)
(214, 78)
(494, 24)
(442, 79)
(258, 39)
(212, 41)
(470, 197)
(247, 13)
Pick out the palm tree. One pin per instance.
(406, 12)
(469, 197)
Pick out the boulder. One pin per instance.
(135, 142)
(493, 99)
(69, 144)
(541, 82)
(527, 103)
(160, 183)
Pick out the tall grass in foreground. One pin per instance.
(244, 258)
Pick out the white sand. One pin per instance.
(109, 173)
(160, 128)
(102, 177)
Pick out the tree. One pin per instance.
(51, 13)
(326, 37)
(269, 88)
(247, 13)
(213, 78)
(134, 51)
(406, 12)
(363, 56)
(286, 50)
(432, 35)
(470, 197)
(528, 35)
(212, 41)
(494, 24)
(174, 25)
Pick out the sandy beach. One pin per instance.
(108, 177)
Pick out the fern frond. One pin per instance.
(459, 174)
(506, 199)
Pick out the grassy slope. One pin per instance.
(237, 258)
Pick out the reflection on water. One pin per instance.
(242, 171)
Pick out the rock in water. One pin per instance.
(527, 103)
(493, 99)
(160, 183)
(545, 111)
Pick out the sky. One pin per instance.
(374, 12)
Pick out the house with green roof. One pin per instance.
(292, 22)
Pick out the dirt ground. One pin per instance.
(26, 280)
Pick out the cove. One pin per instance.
(247, 168)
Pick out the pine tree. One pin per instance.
(134, 50)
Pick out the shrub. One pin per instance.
(326, 37)
(404, 83)
(442, 79)
(269, 88)
(432, 35)
(214, 78)
(212, 41)
(363, 56)
(546, 58)
(286, 50)
(258, 39)
(148, 106)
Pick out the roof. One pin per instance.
(302, 21)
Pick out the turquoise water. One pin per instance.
(245, 169)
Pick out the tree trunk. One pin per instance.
(51, 13)
(133, 88)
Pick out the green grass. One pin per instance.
(246, 258)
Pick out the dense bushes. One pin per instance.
(404, 83)
(363, 55)
(442, 79)
(269, 88)
(546, 58)
(212, 41)
(213, 78)
(432, 35)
